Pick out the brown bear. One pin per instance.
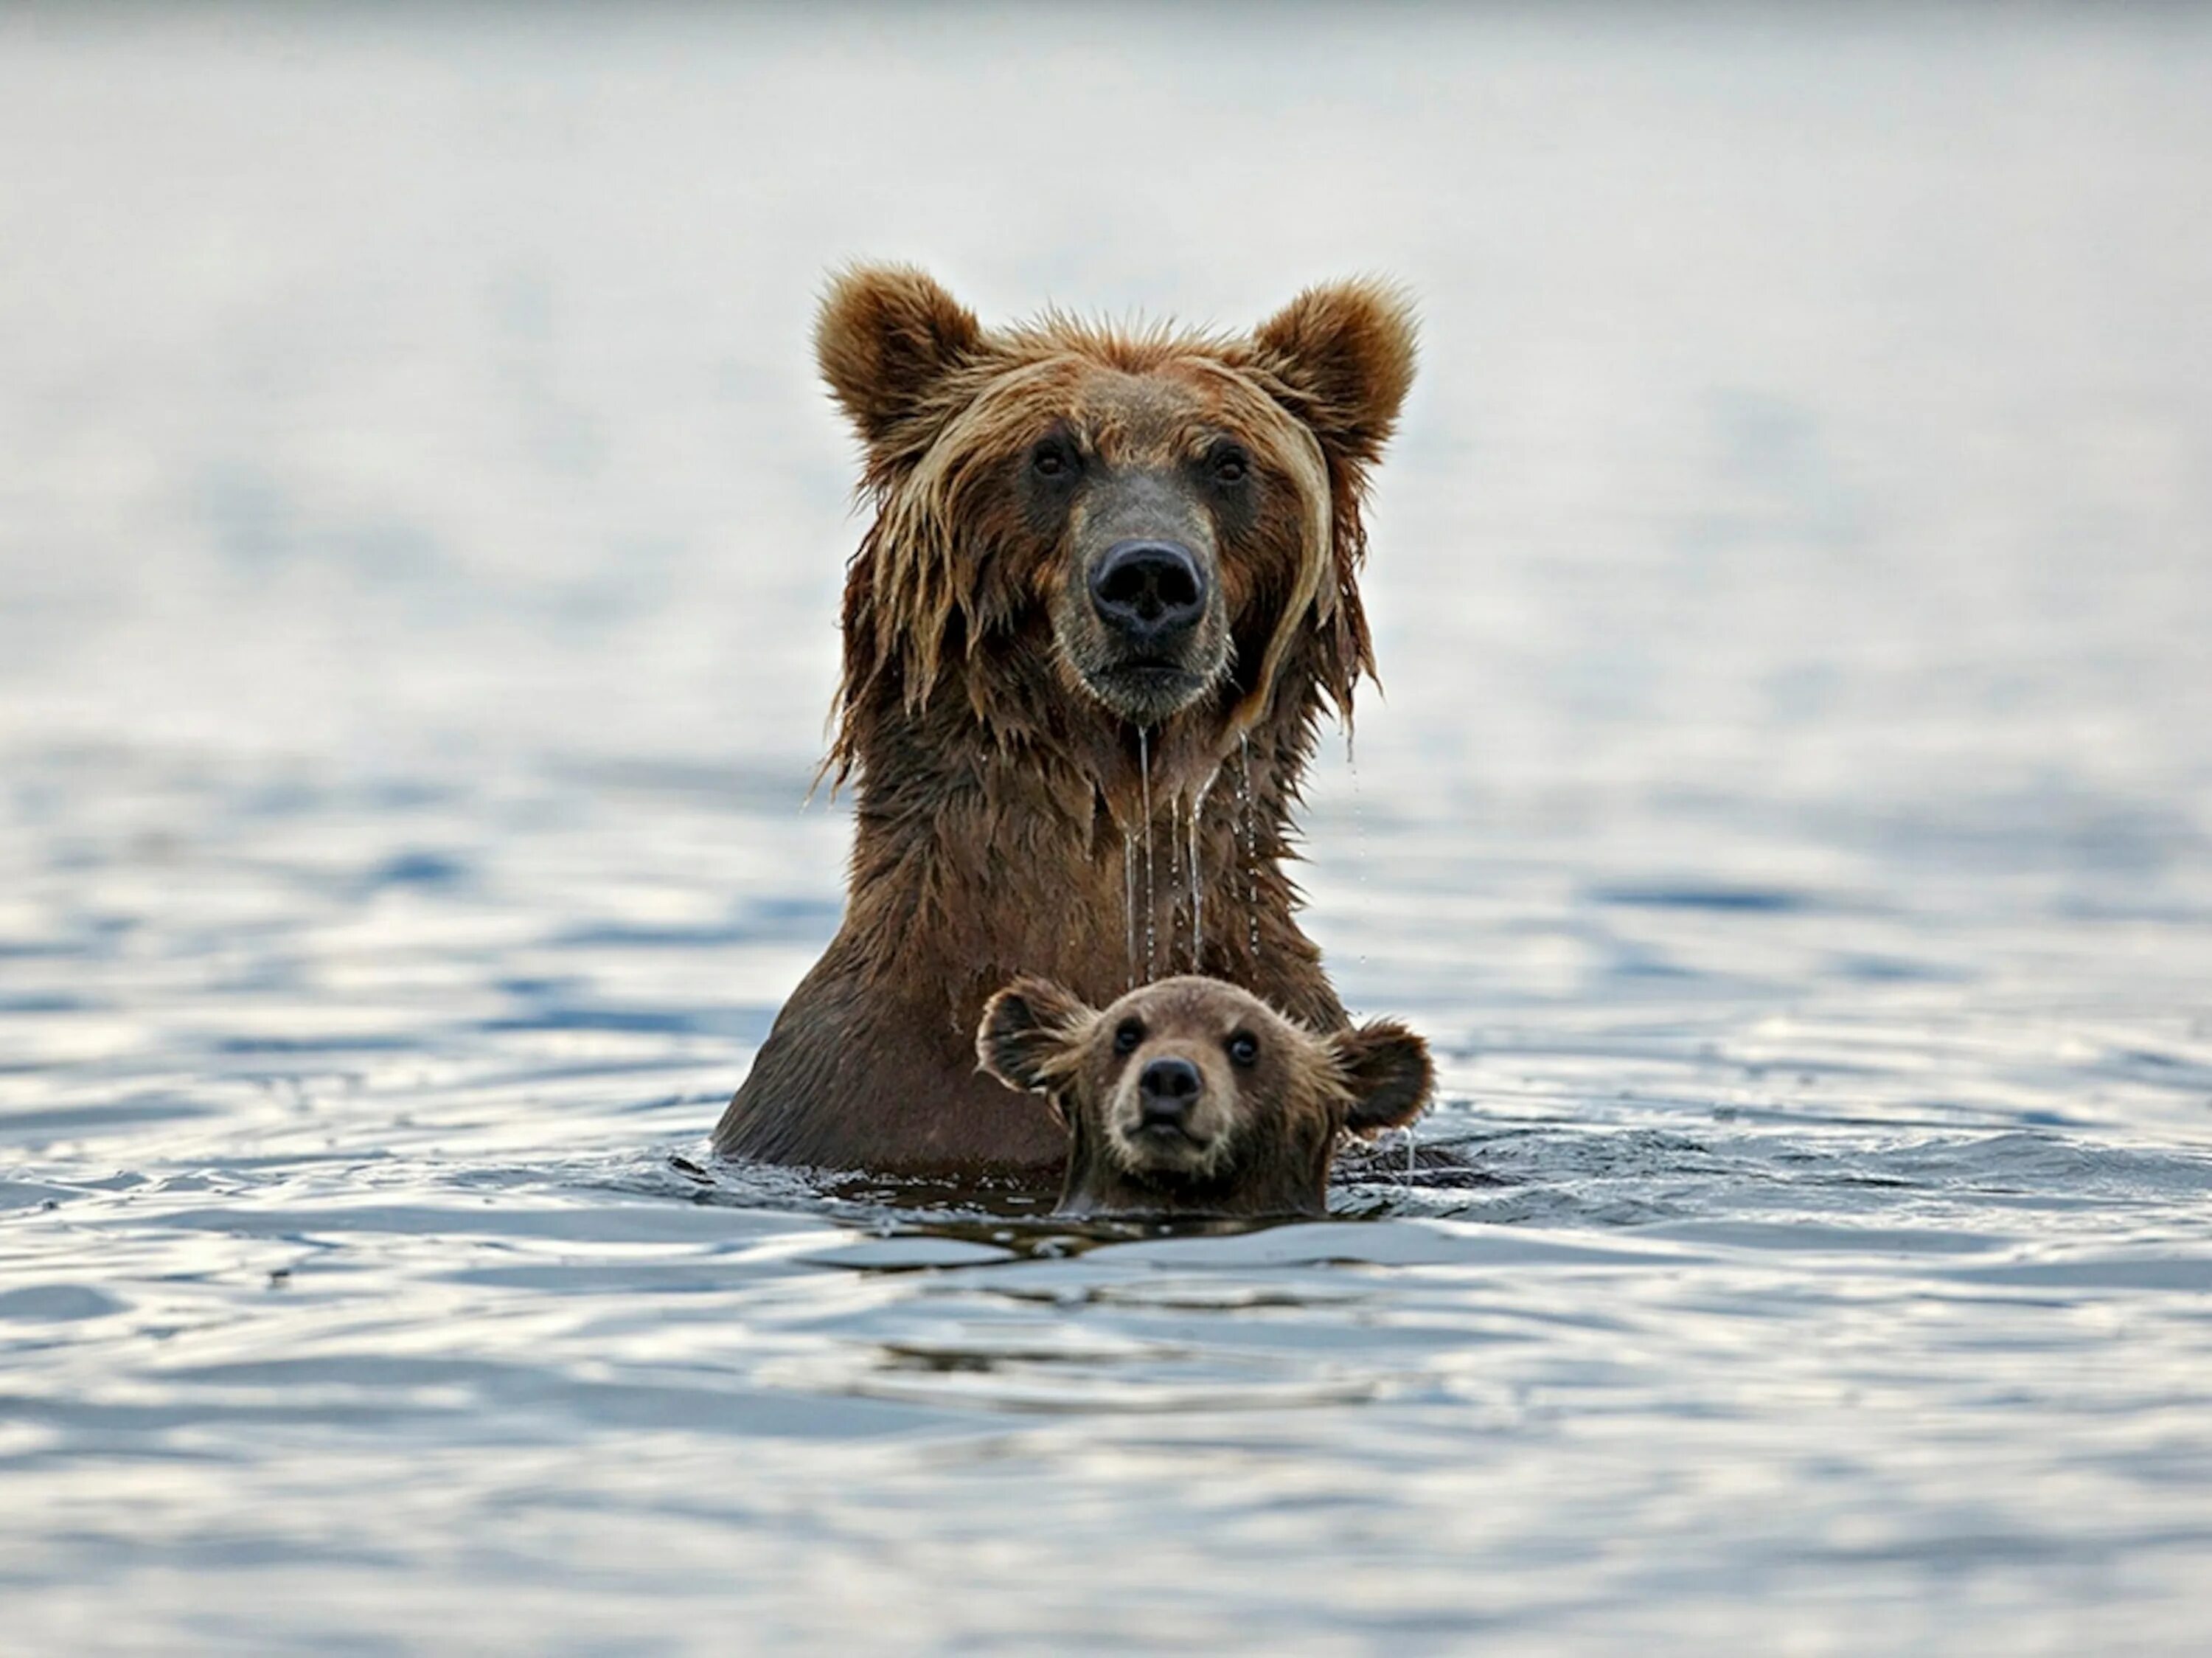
(1111, 580)
(1190, 1096)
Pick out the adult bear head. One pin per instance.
(1164, 523)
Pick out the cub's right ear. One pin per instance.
(1387, 1071)
(887, 337)
(1026, 1027)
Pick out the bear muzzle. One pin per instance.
(1143, 623)
(1152, 596)
(1165, 1121)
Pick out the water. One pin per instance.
(1790, 820)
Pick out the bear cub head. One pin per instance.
(1192, 1096)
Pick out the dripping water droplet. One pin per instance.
(1175, 879)
(1248, 800)
(1197, 889)
(1152, 913)
(1129, 897)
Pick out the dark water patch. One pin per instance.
(409, 794)
(30, 1194)
(2129, 908)
(542, 989)
(2184, 1073)
(2188, 1273)
(1898, 970)
(1728, 900)
(739, 1024)
(89, 1121)
(25, 950)
(1631, 961)
(437, 871)
(38, 1003)
(303, 1046)
(57, 1303)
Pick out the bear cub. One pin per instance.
(1191, 1096)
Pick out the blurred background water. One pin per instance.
(420, 533)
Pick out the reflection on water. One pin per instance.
(418, 549)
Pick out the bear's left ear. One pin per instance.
(1387, 1068)
(1344, 353)
(1024, 1027)
(887, 337)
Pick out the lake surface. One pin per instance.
(1790, 820)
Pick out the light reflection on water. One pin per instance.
(1789, 821)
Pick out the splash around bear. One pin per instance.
(1193, 1097)
(1110, 586)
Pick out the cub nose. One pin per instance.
(1149, 591)
(1166, 1090)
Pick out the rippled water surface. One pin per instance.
(1790, 820)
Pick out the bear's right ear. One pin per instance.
(1025, 1027)
(886, 338)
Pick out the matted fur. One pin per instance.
(999, 800)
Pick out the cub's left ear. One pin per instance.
(1025, 1027)
(1387, 1068)
(1344, 354)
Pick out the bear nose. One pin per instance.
(1149, 591)
(1166, 1090)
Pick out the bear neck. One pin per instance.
(1015, 841)
(999, 829)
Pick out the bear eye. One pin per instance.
(1127, 1035)
(1054, 458)
(1243, 1049)
(1229, 464)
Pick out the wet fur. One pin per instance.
(1284, 1116)
(993, 792)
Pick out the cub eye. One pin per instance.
(1127, 1035)
(1054, 459)
(1228, 464)
(1243, 1049)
